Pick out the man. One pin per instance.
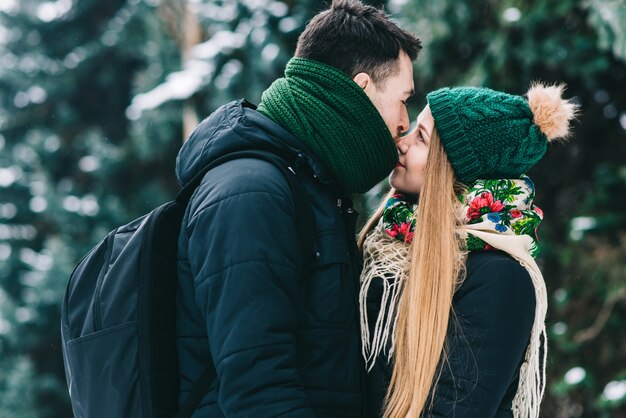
(276, 309)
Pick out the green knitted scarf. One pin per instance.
(333, 116)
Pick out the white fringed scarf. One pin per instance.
(387, 259)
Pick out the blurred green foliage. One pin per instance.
(96, 97)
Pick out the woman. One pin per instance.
(452, 301)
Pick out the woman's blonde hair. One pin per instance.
(437, 268)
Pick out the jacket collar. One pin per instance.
(238, 126)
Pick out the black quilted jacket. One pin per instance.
(285, 344)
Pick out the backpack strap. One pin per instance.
(305, 227)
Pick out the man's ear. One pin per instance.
(363, 80)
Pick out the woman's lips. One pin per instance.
(400, 165)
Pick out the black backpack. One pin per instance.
(122, 362)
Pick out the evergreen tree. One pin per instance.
(71, 166)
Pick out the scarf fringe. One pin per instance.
(385, 259)
(532, 376)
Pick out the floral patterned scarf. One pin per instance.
(504, 206)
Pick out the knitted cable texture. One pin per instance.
(331, 114)
(486, 134)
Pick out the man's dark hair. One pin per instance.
(357, 38)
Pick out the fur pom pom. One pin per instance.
(551, 112)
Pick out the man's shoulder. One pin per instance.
(245, 175)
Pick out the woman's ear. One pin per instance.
(363, 80)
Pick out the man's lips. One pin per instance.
(400, 165)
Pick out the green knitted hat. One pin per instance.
(489, 134)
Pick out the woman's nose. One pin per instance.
(402, 145)
(404, 142)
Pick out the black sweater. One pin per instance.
(494, 311)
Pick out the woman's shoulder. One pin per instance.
(493, 260)
(497, 298)
(495, 273)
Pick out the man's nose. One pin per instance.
(404, 124)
